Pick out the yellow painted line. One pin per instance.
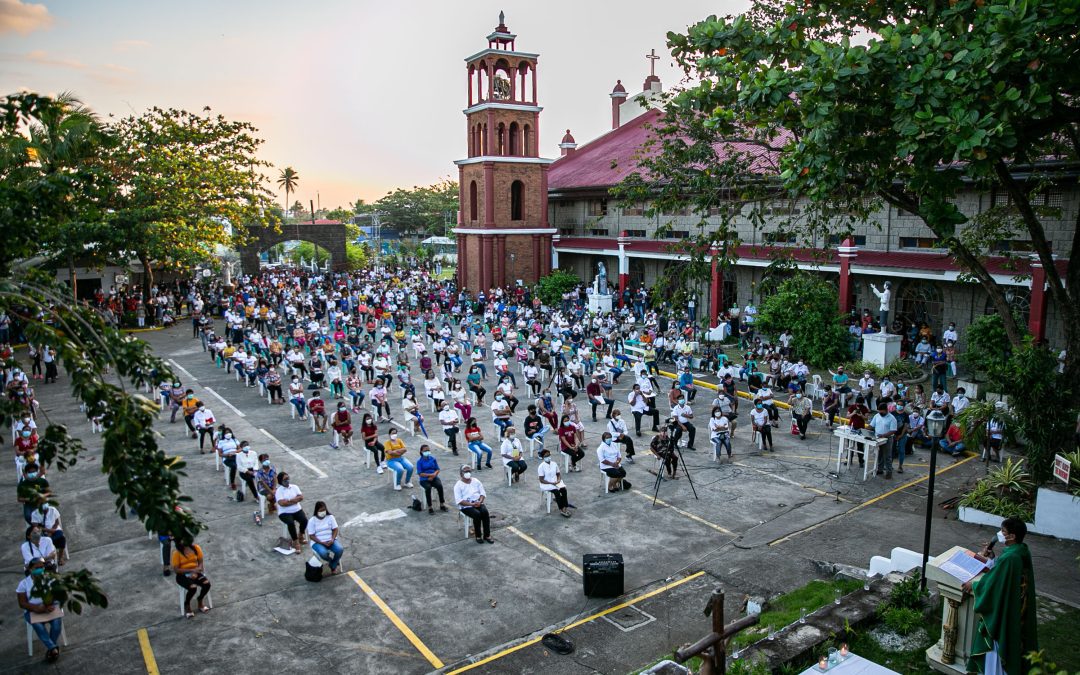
(401, 626)
(833, 459)
(594, 617)
(147, 653)
(874, 500)
(574, 568)
(689, 515)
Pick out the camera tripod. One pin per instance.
(673, 449)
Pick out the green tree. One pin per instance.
(186, 183)
(421, 210)
(344, 215)
(929, 98)
(288, 179)
(358, 256)
(144, 480)
(987, 346)
(806, 305)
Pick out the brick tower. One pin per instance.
(503, 232)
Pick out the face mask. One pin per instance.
(228, 436)
(38, 571)
(547, 459)
(426, 453)
(1001, 537)
(320, 514)
(285, 482)
(467, 475)
(31, 475)
(717, 415)
(266, 464)
(393, 437)
(190, 396)
(798, 395)
(35, 537)
(26, 434)
(759, 406)
(682, 401)
(245, 449)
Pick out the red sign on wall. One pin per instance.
(1062, 467)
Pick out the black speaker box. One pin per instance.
(602, 574)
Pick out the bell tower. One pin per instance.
(503, 232)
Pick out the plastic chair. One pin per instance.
(183, 592)
(467, 520)
(30, 637)
(546, 495)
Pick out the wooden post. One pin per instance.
(711, 647)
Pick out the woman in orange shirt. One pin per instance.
(187, 563)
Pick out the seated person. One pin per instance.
(551, 481)
(609, 456)
(317, 408)
(953, 443)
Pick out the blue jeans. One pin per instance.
(400, 465)
(300, 408)
(332, 555)
(502, 424)
(945, 447)
(720, 442)
(476, 447)
(48, 632)
(901, 450)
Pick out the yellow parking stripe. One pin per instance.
(574, 568)
(594, 617)
(147, 653)
(401, 626)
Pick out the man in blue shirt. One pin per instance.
(686, 383)
(884, 426)
(427, 469)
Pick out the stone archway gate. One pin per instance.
(328, 234)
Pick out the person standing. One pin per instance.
(884, 426)
(470, 497)
(1004, 601)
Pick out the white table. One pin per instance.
(851, 441)
(853, 665)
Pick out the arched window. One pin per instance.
(484, 149)
(1019, 299)
(472, 201)
(517, 198)
(526, 143)
(514, 142)
(920, 302)
(500, 142)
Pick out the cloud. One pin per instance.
(42, 57)
(109, 74)
(130, 45)
(23, 18)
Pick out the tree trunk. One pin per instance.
(72, 279)
(148, 275)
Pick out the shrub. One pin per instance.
(855, 369)
(907, 593)
(903, 370)
(552, 286)
(1005, 491)
(903, 620)
(987, 346)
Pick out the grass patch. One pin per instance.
(1058, 640)
(911, 662)
(787, 608)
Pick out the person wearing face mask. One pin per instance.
(39, 546)
(475, 439)
(204, 423)
(501, 415)
(545, 407)
(266, 482)
(683, 414)
(939, 368)
(597, 396)
(802, 410)
(288, 498)
(191, 406)
(32, 490)
(551, 481)
(720, 433)
(427, 469)
(901, 438)
(866, 389)
(570, 443)
(341, 423)
(26, 442)
(47, 517)
(610, 458)
(470, 497)
(448, 418)
(759, 422)
(227, 447)
(1004, 601)
(317, 407)
(50, 630)
(246, 464)
(887, 388)
(398, 463)
(187, 563)
(616, 426)
(884, 426)
(511, 452)
(323, 532)
(922, 352)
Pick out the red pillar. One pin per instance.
(485, 264)
(489, 194)
(462, 260)
(1037, 315)
(716, 288)
(846, 252)
(537, 251)
(500, 260)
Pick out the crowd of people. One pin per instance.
(366, 358)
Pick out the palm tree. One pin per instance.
(288, 179)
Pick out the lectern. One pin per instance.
(950, 653)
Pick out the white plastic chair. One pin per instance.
(546, 495)
(467, 520)
(30, 637)
(183, 592)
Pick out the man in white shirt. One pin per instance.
(866, 389)
(884, 426)
(501, 415)
(551, 481)
(888, 389)
(511, 453)
(682, 414)
(448, 418)
(960, 401)
(950, 334)
(469, 495)
(610, 460)
(618, 429)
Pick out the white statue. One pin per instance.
(601, 278)
(883, 304)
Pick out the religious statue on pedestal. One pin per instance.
(601, 279)
(883, 305)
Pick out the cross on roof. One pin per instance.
(653, 58)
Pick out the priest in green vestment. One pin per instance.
(1004, 598)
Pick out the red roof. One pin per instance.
(610, 158)
(931, 262)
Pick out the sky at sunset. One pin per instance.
(359, 97)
